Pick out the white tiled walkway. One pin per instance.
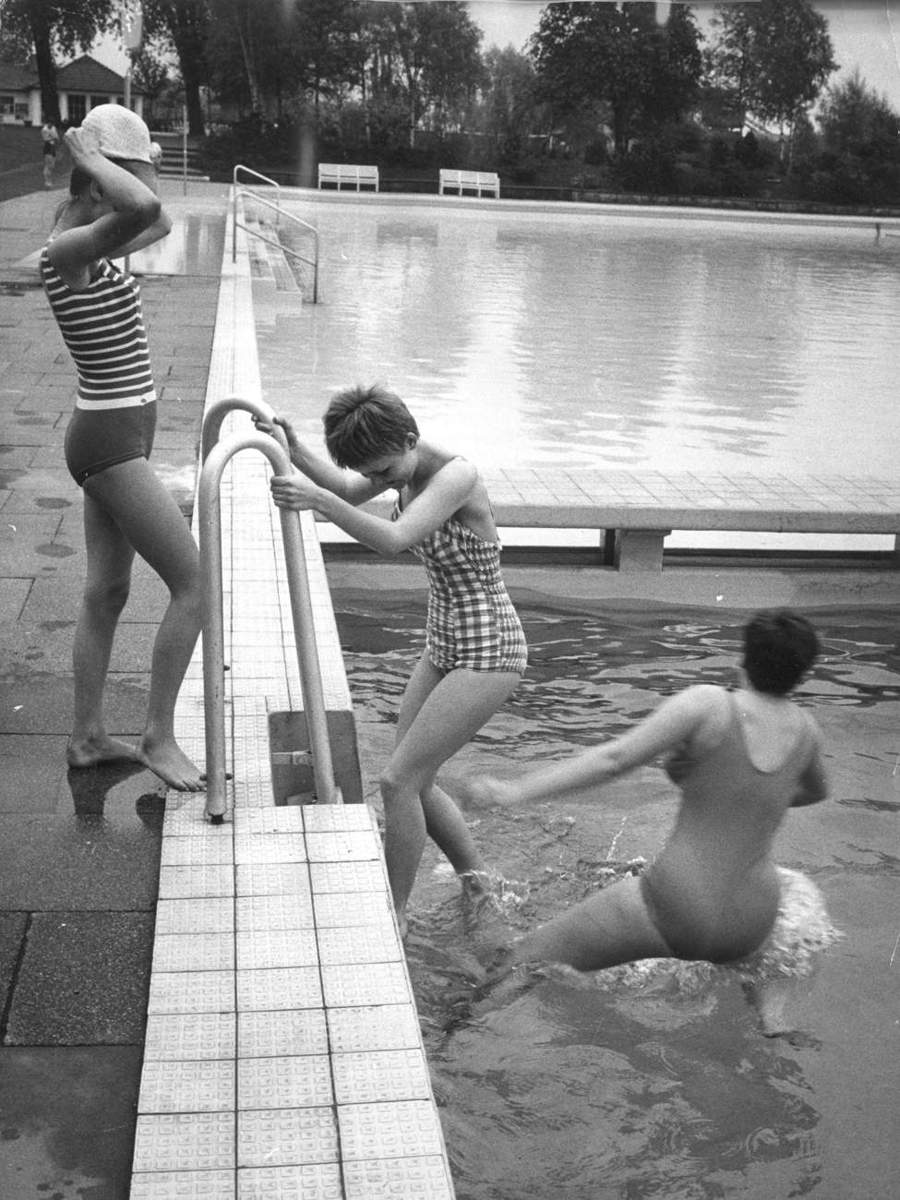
(283, 1057)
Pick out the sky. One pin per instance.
(865, 33)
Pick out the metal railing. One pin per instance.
(215, 456)
(239, 193)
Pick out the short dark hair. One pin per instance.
(779, 648)
(362, 423)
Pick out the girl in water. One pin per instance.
(112, 210)
(741, 759)
(475, 650)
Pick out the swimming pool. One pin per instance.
(595, 337)
(659, 1086)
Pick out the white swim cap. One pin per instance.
(121, 133)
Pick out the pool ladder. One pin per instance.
(275, 206)
(215, 456)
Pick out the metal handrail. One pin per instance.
(216, 455)
(256, 175)
(236, 225)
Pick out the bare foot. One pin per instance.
(100, 748)
(172, 765)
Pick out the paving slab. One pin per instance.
(67, 1121)
(82, 980)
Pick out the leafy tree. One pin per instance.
(509, 108)
(774, 56)
(431, 55)
(151, 75)
(642, 71)
(48, 27)
(860, 135)
(185, 25)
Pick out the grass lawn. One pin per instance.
(21, 162)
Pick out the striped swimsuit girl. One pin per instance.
(102, 326)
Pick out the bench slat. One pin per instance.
(478, 181)
(358, 175)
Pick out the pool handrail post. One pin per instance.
(210, 526)
(236, 195)
(234, 199)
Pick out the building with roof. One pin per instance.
(81, 84)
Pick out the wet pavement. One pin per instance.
(79, 850)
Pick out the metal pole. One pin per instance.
(210, 525)
(210, 529)
(219, 410)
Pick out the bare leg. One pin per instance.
(154, 526)
(613, 926)
(439, 715)
(109, 560)
(770, 998)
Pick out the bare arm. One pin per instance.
(135, 210)
(349, 485)
(157, 230)
(677, 720)
(445, 492)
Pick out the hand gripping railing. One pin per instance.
(215, 457)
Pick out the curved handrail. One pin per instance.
(256, 175)
(219, 409)
(280, 212)
(216, 459)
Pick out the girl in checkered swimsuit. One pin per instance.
(475, 649)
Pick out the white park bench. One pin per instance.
(349, 174)
(482, 183)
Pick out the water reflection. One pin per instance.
(596, 339)
(91, 788)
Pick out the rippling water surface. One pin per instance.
(631, 1084)
(599, 339)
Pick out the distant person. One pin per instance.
(50, 139)
(113, 210)
(475, 650)
(741, 759)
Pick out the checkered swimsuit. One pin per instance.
(471, 620)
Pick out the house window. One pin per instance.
(77, 109)
(95, 100)
(7, 106)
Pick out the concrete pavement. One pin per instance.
(79, 850)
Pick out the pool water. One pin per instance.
(596, 338)
(632, 1084)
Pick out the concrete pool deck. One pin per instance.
(79, 896)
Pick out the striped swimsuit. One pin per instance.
(471, 623)
(102, 326)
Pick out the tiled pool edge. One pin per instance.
(283, 1055)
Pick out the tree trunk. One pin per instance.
(187, 37)
(249, 69)
(46, 67)
(196, 123)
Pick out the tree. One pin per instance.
(619, 56)
(774, 56)
(431, 52)
(860, 135)
(49, 27)
(509, 107)
(185, 25)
